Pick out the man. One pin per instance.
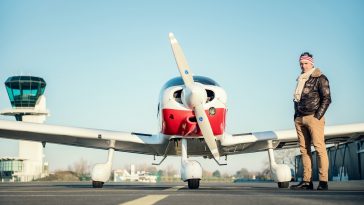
(311, 100)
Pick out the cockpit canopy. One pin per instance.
(199, 79)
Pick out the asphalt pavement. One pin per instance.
(69, 193)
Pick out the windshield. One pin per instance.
(199, 79)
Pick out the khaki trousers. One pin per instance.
(311, 130)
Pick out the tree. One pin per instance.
(147, 168)
(225, 175)
(206, 173)
(264, 174)
(216, 174)
(80, 167)
(242, 173)
(160, 173)
(170, 170)
(286, 156)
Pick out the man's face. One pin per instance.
(305, 66)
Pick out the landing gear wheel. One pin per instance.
(193, 183)
(283, 184)
(97, 184)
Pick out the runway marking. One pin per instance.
(63, 191)
(195, 195)
(147, 200)
(175, 188)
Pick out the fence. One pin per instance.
(346, 162)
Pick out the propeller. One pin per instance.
(194, 96)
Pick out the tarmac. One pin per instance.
(350, 192)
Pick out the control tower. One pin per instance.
(28, 105)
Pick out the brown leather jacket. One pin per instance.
(315, 98)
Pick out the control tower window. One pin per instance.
(24, 91)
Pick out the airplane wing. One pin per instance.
(257, 141)
(84, 137)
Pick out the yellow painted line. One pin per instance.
(175, 188)
(147, 200)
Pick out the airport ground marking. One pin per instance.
(146, 200)
(175, 188)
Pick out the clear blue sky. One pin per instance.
(105, 62)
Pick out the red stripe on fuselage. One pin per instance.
(175, 122)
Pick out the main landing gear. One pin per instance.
(101, 172)
(281, 173)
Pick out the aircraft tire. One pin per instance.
(193, 183)
(97, 184)
(283, 184)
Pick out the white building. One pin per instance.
(122, 175)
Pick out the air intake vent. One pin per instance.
(177, 96)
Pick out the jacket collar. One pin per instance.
(316, 73)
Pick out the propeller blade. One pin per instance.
(181, 61)
(205, 126)
(195, 97)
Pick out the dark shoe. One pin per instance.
(323, 186)
(303, 186)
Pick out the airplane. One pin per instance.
(192, 118)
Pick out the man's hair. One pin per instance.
(306, 54)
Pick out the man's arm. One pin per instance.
(295, 110)
(324, 91)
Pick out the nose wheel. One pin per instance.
(193, 183)
(97, 184)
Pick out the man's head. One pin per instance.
(306, 61)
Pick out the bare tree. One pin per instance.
(206, 173)
(147, 168)
(225, 175)
(80, 167)
(242, 173)
(286, 156)
(170, 170)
